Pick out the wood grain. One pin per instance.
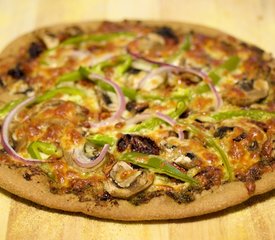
(250, 20)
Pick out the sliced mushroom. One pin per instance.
(49, 39)
(125, 181)
(123, 174)
(246, 92)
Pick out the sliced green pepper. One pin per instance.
(255, 114)
(230, 65)
(96, 38)
(101, 140)
(211, 142)
(185, 46)
(128, 92)
(73, 76)
(124, 66)
(154, 122)
(36, 148)
(157, 165)
(62, 90)
(9, 106)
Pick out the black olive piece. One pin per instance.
(253, 146)
(30, 89)
(185, 114)
(190, 155)
(106, 98)
(246, 84)
(35, 49)
(133, 71)
(105, 196)
(221, 131)
(17, 72)
(134, 107)
(240, 137)
(167, 32)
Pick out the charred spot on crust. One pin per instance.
(17, 72)
(35, 49)
(105, 197)
(221, 131)
(167, 32)
(27, 176)
(134, 107)
(181, 197)
(138, 144)
(240, 137)
(144, 197)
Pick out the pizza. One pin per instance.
(136, 120)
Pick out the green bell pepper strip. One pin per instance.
(87, 38)
(36, 148)
(185, 46)
(73, 76)
(9, 106)
(101, 140)
(62, 90)
(96, 38)
(122, 68)
(128, 92)
(154, 122)
(157, 165)
(255, 114)
(230, 65)
(211, 142)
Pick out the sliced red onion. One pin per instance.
(171, 121)
(138, 118)
(121, 101)
(81, 160)
(196, 72)
(5, 133)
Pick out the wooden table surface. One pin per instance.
(250, 20)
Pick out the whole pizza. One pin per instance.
(136, 120)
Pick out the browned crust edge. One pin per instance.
(37, 190)
(163, 207)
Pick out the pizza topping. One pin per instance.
(5, 132)
(136, 107)
(123, 174)
(35, 49)
(137, 143)
(37, 148)
(82, 160)
(142, 181)
(17, 72)
(221, 131)
(167, 32)
(157, 165)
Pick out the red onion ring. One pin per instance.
(196, 72)
(5, 133)
(171, 121)
(81, 160)
(121, 101)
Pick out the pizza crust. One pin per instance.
(163, 207)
